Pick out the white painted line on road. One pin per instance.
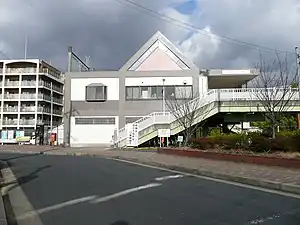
(126, 192)
(212, 179)
(169, 177)
(65, 204)
(92, 199)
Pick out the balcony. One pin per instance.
(12, 109)
(28, 83)
(10, 122)
(28, 96)
(51, 73)
(58, 89)
(57, 100)
(27, 108)
(12, 83)
(11, 96)
(26, 70)
(27, 121)
(44, 84)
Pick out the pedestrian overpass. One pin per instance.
(217, 101)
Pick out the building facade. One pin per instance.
(99, 102)
(31, 95)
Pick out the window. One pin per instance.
(183, 92)
(96, 92)
(156, 92)
(95, 121)
(136, 93)
(131, 119)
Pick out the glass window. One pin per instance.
(96, 93)
(170, 92)
(153, 93)
(145, 93)
(159, 92)
(136, 93)
(183, 92)
(128, 92)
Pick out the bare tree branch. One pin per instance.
(189, 111)
(274, 88)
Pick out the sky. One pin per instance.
(111, 31)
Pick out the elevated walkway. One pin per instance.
(244, 100)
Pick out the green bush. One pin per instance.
(256, 142)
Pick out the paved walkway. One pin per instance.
(272, 177)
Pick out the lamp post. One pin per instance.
(163, 95)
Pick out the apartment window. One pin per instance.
(96, 92)
(95, 121)
(156, 92)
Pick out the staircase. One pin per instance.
(144, 129)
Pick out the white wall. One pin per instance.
(203, 84)
(148, 81)
(78, 87)
(85, 135)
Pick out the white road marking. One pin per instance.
(126, 192)
(169, 177)
(92, 199)
(210, 178)
(65, 204)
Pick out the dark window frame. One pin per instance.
(95, 99)
(158, 95)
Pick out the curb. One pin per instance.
(3, 220)
(294, 189)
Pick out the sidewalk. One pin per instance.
(276, 178)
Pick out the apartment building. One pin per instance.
(31, 93)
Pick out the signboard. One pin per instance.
(180, 139)
(23, 139)
(164, 132)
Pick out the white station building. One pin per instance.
(102, 104)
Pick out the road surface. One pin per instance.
(84, 190)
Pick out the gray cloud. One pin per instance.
(110, 32)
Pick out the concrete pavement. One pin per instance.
(92, 190)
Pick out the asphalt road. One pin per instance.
(82, 190)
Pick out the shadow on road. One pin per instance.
(24, 179)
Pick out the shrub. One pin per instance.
(256, 142)
(203, 143)
(259, 144)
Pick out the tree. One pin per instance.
(190, 111)
(275, 93)
(285, 123)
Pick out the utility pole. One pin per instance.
(25, 47)
(298, 67)
(298, 75)
(51, 118)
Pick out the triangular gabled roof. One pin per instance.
(158, 40)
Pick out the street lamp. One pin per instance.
(163, 95)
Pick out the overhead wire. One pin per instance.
(192, 27)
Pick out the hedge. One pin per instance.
(285, 141)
